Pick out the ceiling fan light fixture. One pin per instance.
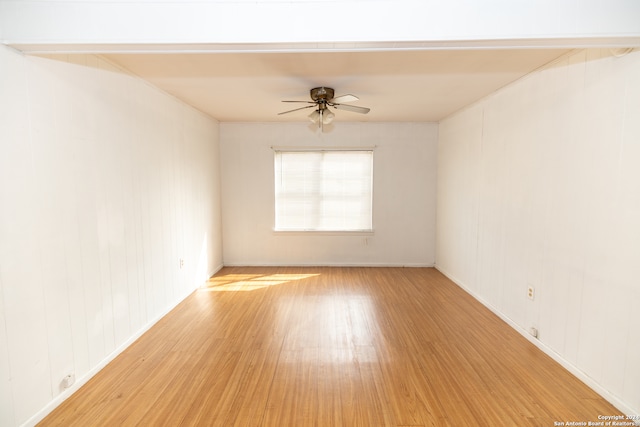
(327, 117)
(315, 116)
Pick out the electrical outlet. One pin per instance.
(181, 263)
(68, 380)
(531, 292)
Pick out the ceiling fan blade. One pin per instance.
(355, 109)
(296, 109)
(344, 98)
(306, 102)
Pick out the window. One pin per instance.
(324, 190)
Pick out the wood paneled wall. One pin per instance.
(105, 184)
(539, 185)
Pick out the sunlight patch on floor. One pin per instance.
(250, 282)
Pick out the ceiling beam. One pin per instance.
(320, 25)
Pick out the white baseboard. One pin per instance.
(582, 376)
(215, 270)
(328, 264)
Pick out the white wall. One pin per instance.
(403, 206)
(105, 183)
(539, 184)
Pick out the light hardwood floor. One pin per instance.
(331, 347)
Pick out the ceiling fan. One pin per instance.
(323, 99)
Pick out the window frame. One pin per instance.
(307, 231)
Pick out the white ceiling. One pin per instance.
(398, 86)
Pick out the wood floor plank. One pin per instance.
(321, 346)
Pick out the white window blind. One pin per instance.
(323, 190)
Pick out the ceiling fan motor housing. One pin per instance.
(322, 93)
